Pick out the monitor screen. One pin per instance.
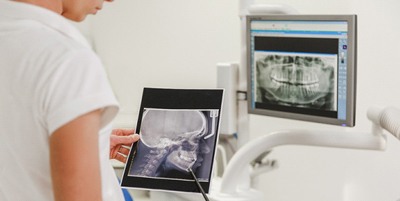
(302, 67)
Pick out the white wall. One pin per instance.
(177, 43)
(164, 44)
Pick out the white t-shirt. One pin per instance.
(48, 77)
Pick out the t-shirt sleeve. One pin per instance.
(78, 85)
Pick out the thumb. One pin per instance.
(135, 137)
(124, 140)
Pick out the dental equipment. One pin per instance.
(387, 118)
(236, 181)
(235, 184)
(248, 7)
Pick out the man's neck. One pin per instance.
(53, 5)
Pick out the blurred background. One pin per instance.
(177, 44)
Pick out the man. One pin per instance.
(55, 100)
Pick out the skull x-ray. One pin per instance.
(301, 80)
(178, 130)
(173, 141)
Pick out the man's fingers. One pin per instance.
(121, 158)
(125, 140)
(123, 132)
(128, 131)
(121, 154)
(124, 150)
(135, 137)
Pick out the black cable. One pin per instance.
(198, 184)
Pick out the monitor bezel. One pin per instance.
(351, 69)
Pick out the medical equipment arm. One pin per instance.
(240, 161)
(385, 118)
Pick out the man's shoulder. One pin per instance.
(54, 39)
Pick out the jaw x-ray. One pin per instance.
(178, 130)
(306, 81)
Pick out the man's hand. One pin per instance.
(120, 142)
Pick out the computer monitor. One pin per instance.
(302, 67)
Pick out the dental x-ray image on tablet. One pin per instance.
(173, 141)
(178, 131)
